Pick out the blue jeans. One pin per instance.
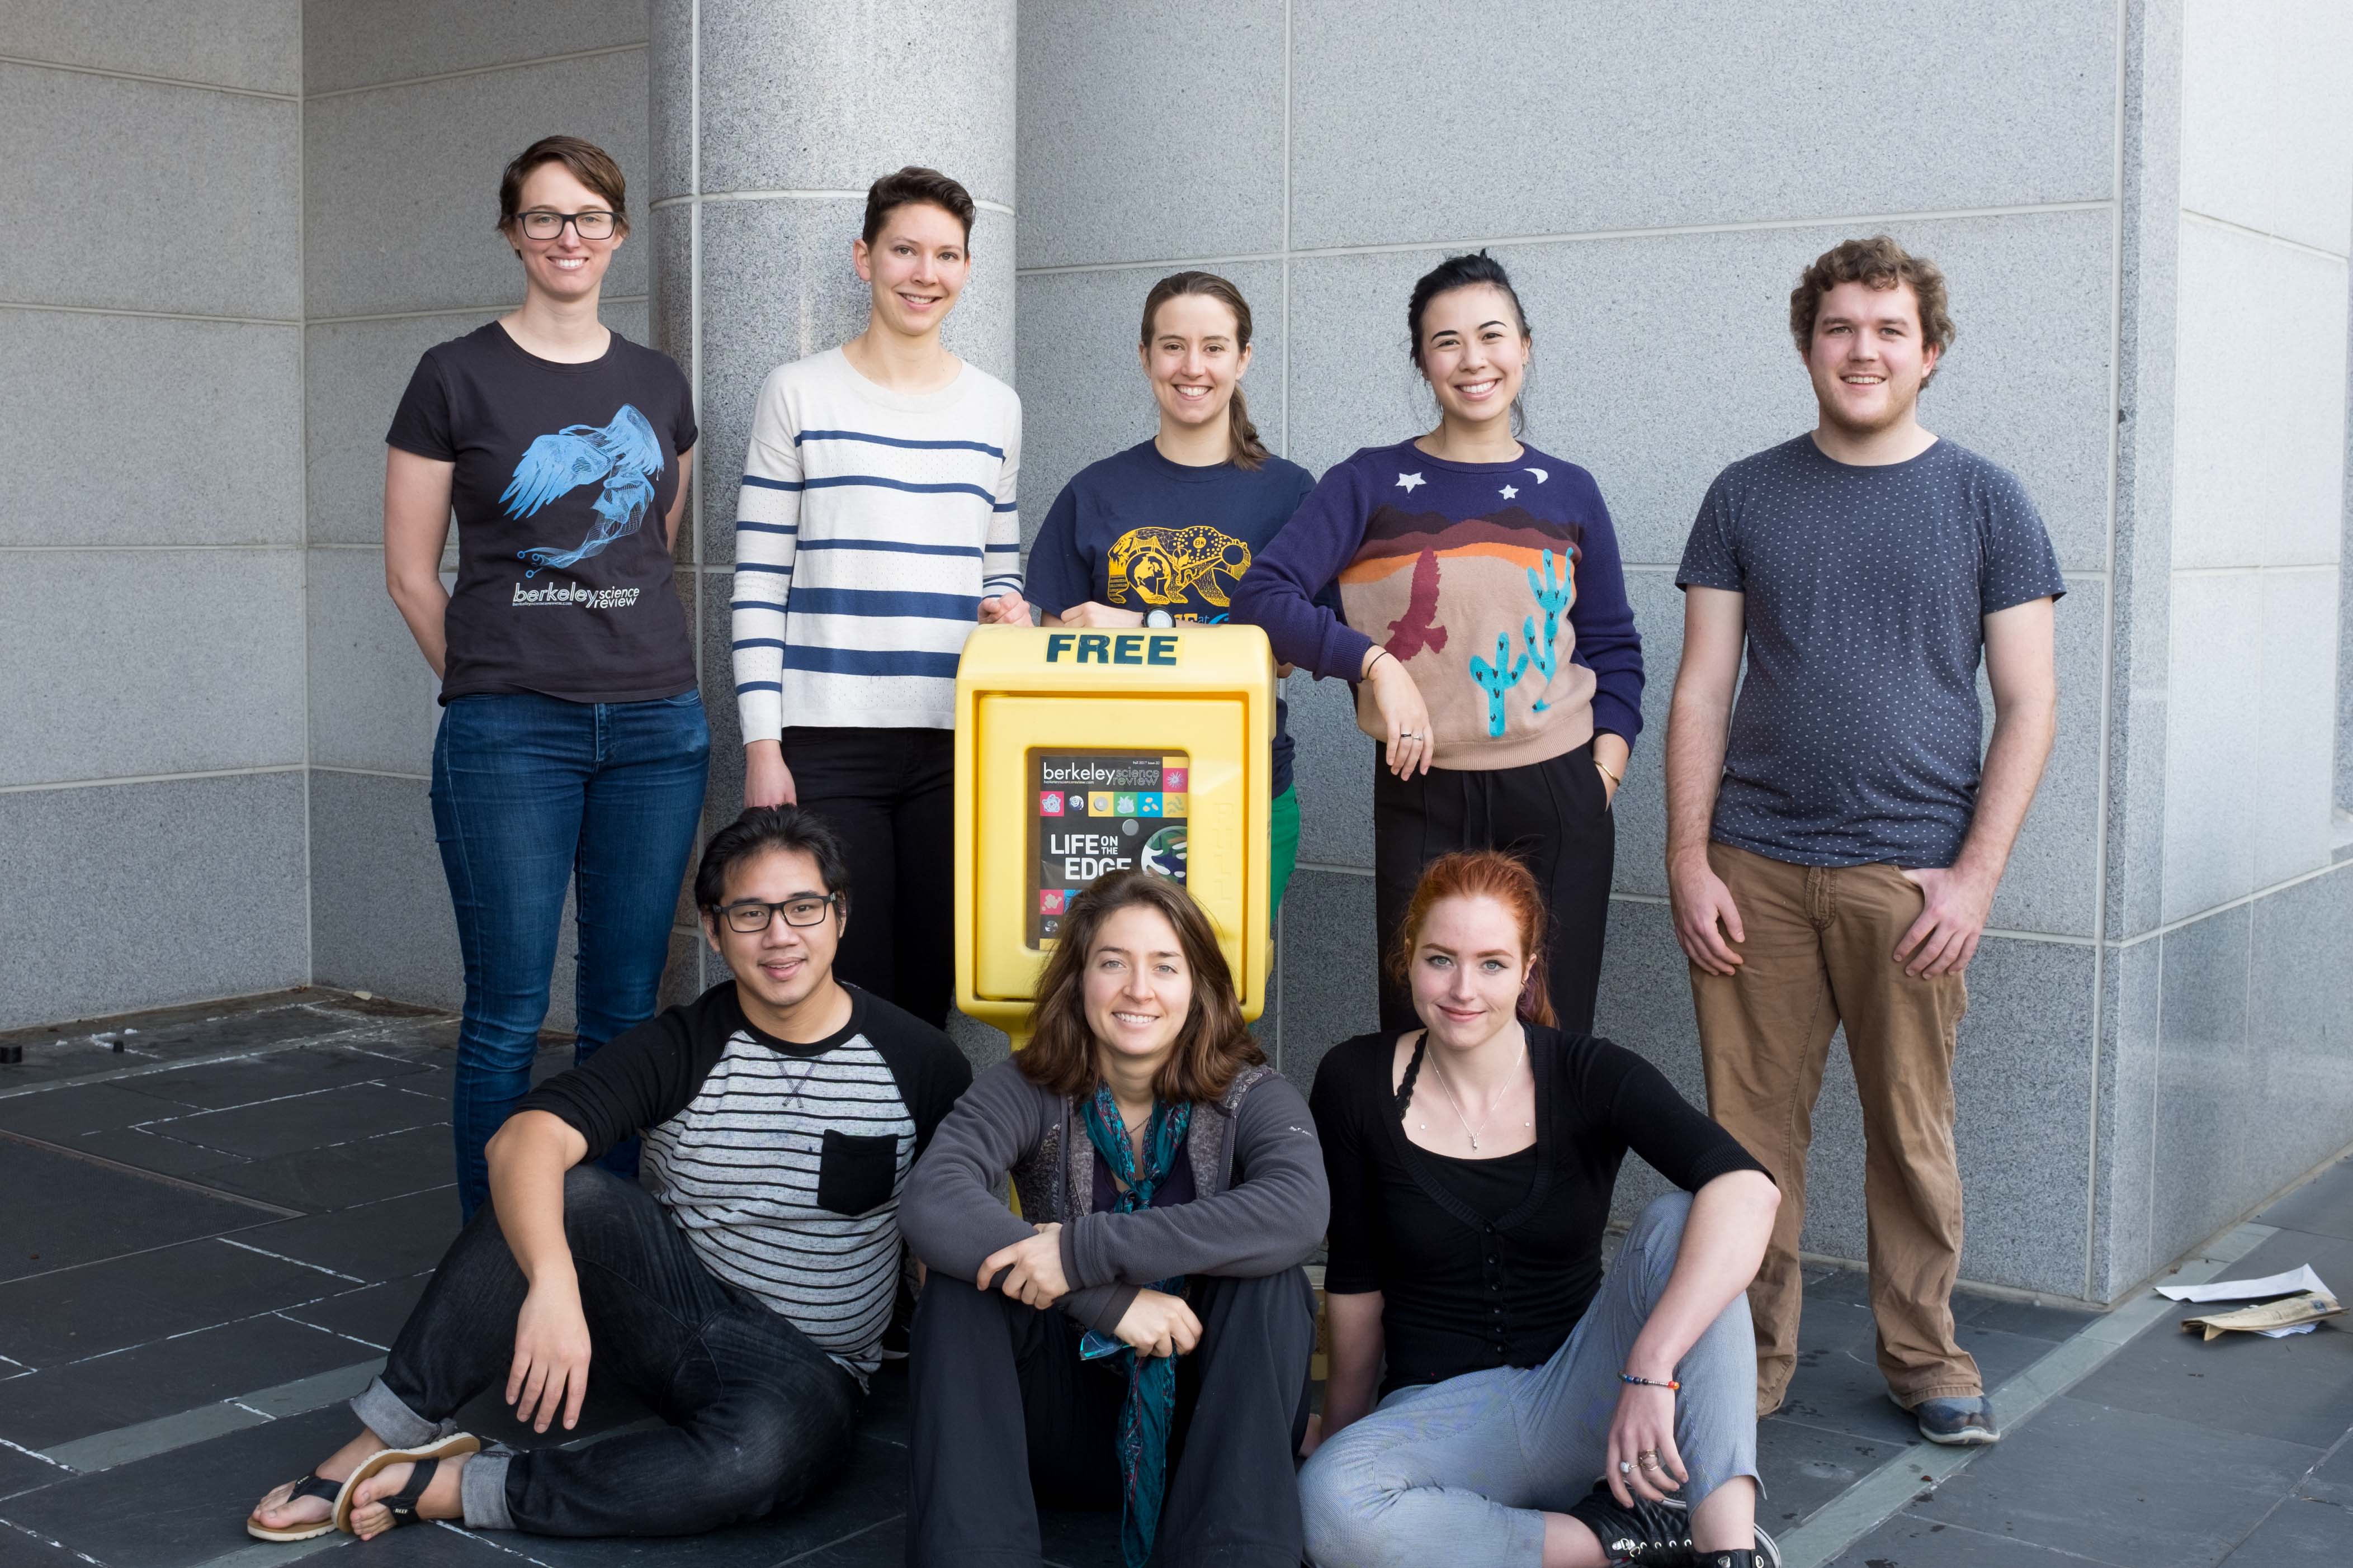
(757, 1416)
(529, 793)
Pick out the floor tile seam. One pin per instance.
(1893, 1487)
(455, 1528)
(299, 1263)
(47, 1540)
(1882, 1438)
(839, 1541)
(151, 1067)
(244, 1159)
(36, 1454)
(196, 1111)
(178, 1429)
(2019, 1541)
(194, 1188)
(208, 1328)
(321, 1327)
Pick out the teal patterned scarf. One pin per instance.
(1151, 1406)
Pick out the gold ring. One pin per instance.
(1649, 1459)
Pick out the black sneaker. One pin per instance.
(1766, 1553)
(1658, 1535)
(1653, 1534)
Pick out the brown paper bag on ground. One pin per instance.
(2308, 1307)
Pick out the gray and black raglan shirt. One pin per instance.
(781, 1161)
(1857, 736)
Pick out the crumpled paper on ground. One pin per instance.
(2295, 1313)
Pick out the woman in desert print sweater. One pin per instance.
(1484, 620)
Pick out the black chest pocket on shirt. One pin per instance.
(854, 1175)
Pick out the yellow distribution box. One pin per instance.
(1082, 752)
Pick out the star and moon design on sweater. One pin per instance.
(1460, 579)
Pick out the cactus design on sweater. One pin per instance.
(1477, 580)
(1554, 597)
(1495, 682)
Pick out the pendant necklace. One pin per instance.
(1469, 1131)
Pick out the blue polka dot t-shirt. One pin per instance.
(1857, 736)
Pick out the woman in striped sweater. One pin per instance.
(877, 524)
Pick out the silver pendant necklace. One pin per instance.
(1447, 1089)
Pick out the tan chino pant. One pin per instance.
(1819, 952)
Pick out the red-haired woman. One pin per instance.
(1140, 1334)
(1472, 1166)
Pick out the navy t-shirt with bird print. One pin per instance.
(564, 474)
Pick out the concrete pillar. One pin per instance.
(770, 118)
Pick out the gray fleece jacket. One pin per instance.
(1259, 1208)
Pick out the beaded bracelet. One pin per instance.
(1671, 1385)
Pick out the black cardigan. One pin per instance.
(1459, 1294)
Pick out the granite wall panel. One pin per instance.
(99, 458)
(137, 662)
(1629, 107)
(129, 896)
(1128, 155)
(113, 167)
(253, 45)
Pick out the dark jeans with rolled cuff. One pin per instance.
(758, 1416)
(1551, 816)
(1006, 1417)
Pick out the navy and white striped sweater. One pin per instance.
(871, 525)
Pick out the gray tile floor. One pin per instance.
(220, 1215)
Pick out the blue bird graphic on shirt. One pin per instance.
(624, 455)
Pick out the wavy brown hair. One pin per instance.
(1481, 874)
(1243, 448)
(1214, 1044)
(1882, 264)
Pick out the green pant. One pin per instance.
(1282, 848)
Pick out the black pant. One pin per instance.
(759, 1415)
(1006, 1417)
(1554, 816)
(891, 794)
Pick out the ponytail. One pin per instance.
(1243, 448)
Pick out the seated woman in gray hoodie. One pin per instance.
(1138, 1335)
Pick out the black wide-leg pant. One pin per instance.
(1553, 817)
(1006, 1417)
(890, 796)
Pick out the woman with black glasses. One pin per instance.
(572, 751)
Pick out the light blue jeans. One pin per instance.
(1464, 1470)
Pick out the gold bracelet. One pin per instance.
(1613, 778)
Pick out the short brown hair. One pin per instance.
(1214, 1044)
(913, 185)
(1882, 263)
(1481, 874)
(1243, 447)
(590, 164)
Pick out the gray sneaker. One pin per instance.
(1965, 1422)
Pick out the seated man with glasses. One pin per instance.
(741, 1293)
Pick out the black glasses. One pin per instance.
(752, 915)
(541, 223)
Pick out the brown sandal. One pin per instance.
(313, 1484)
(403, 1503)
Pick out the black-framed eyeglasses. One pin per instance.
(752, 915)
(541, 223)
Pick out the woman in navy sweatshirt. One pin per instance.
(1484, 621)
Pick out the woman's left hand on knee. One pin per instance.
(1643, 1458)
